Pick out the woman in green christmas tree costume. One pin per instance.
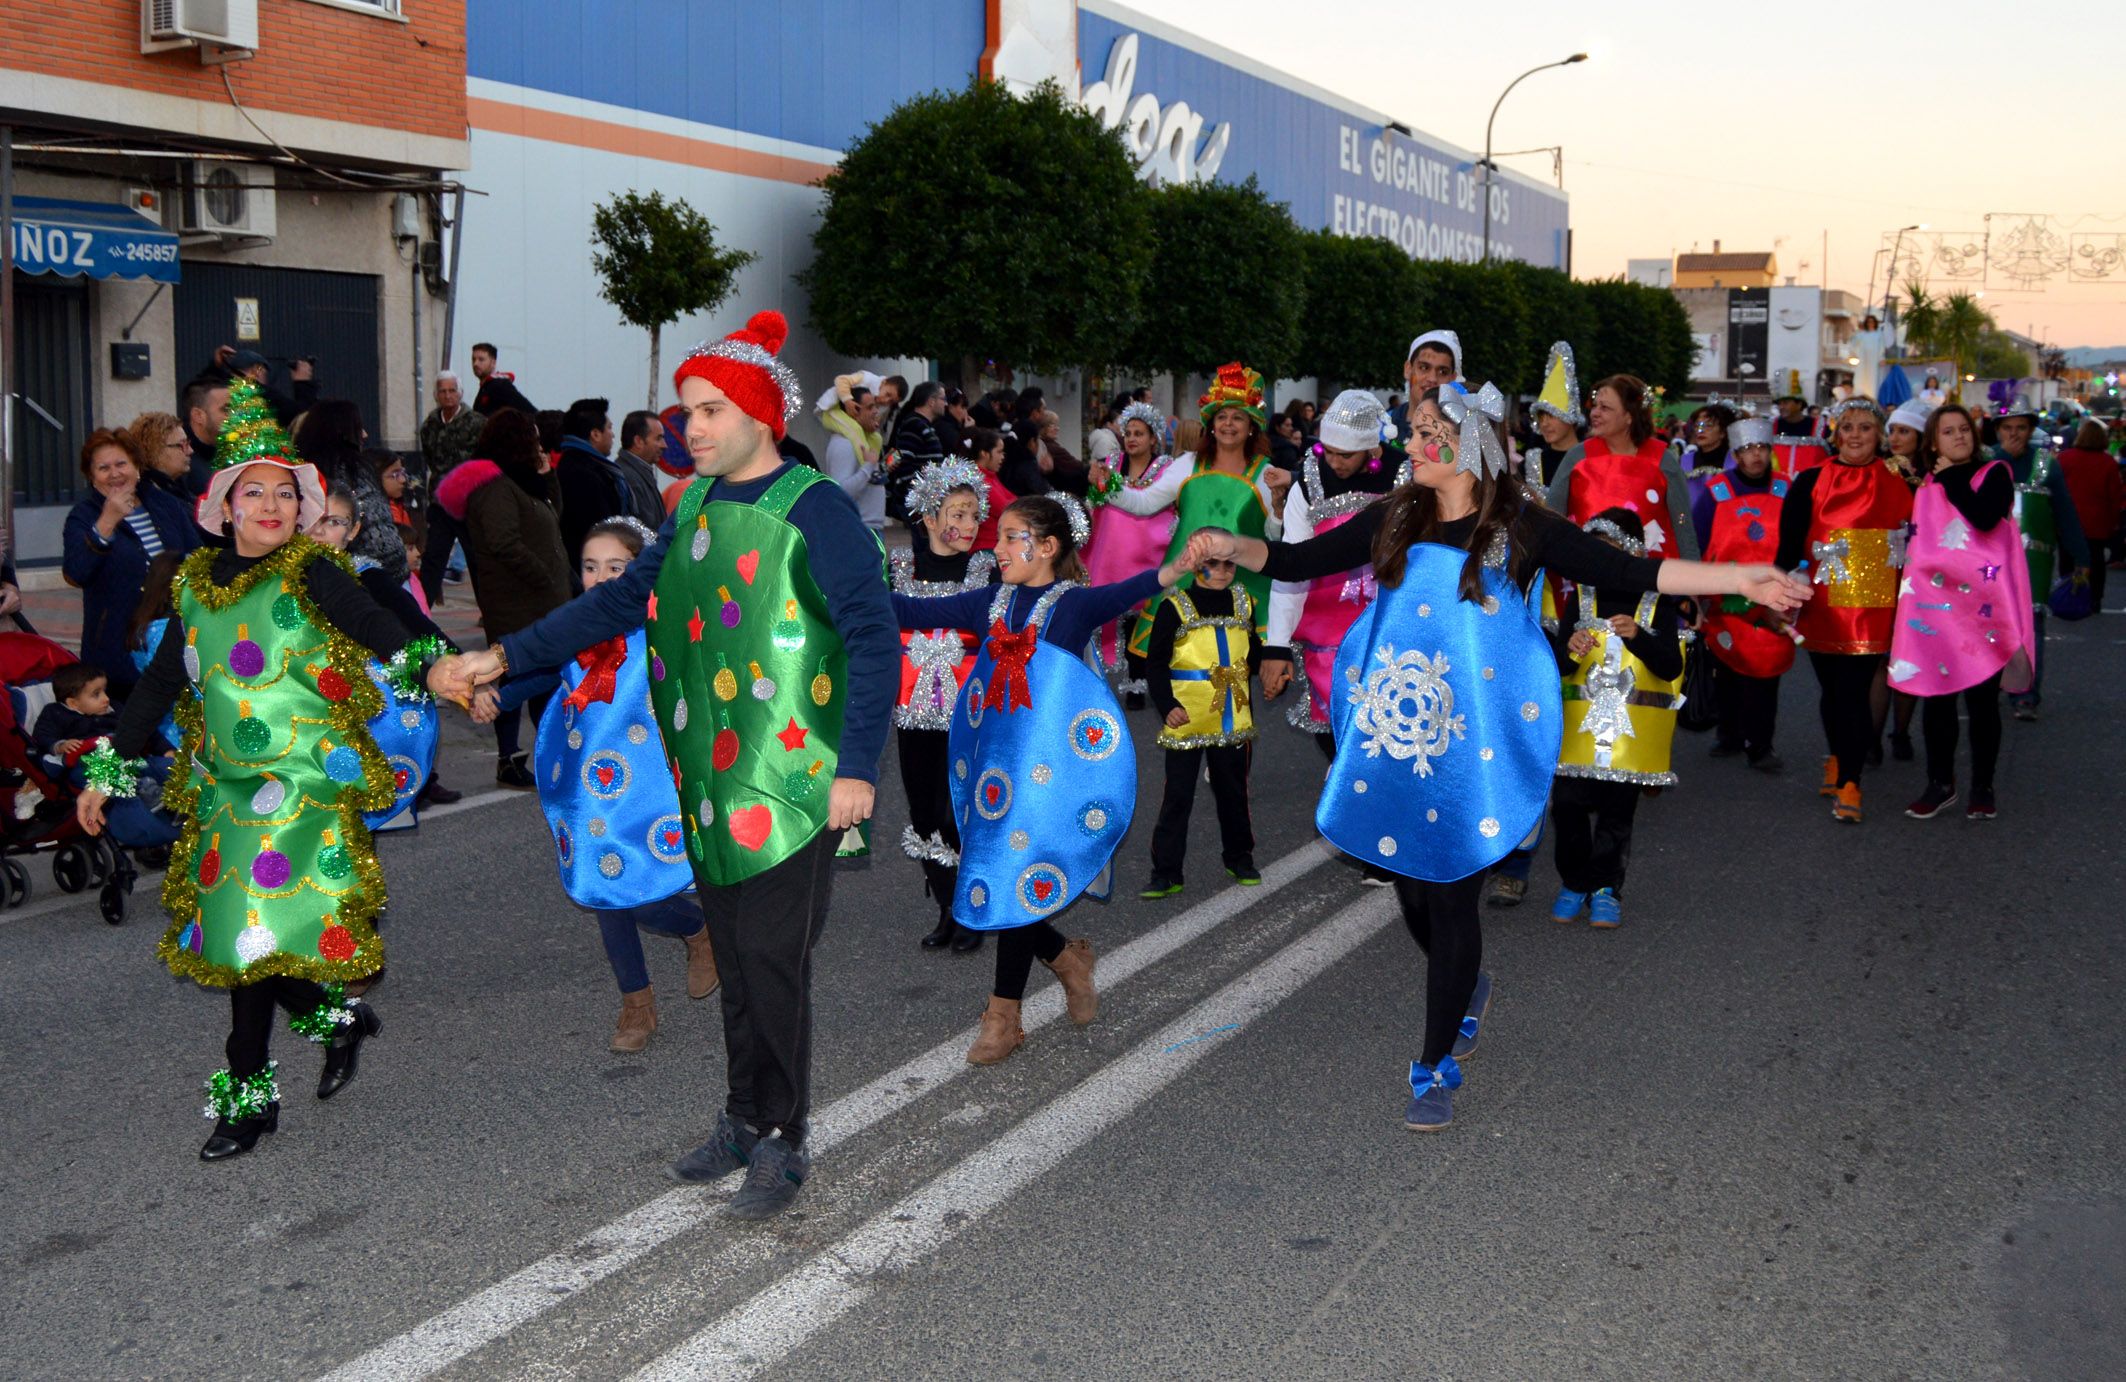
(273, 889)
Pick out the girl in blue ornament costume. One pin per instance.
(273, 887)
(1044, 781)
(607, 793)
(1448, 716)
(949, 502)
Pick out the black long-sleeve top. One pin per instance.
(338, 596)
(1166, 626)
(1549, 541)
(1659, 646)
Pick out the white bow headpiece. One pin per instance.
(1480, 452)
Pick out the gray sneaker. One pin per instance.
(729, 1148)
(773, 1178)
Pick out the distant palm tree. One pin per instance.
(1963, 323)
(1922, 319)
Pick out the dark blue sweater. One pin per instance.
(1076, 617)
(843, 557)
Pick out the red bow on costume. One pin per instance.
(601, 664)
(1012, 651)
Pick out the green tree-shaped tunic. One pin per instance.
(273, 872)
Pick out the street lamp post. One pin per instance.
(1889, 294)
(1562, 62)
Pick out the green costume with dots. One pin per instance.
(273, 873)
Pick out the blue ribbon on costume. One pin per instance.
(1225, 682)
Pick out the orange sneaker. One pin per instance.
(1847, 807)
(1830, 777)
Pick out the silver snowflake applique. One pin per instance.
(1406, 708)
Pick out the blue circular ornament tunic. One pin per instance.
(405, 730)
(1044, 777)
(1448, 719)
(605, 785)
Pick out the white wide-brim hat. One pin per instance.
(310, 493)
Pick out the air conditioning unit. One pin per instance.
(234, 200)
(205, 24)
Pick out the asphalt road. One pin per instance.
(1833, 1103)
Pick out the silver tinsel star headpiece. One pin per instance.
(1858, 402)
(1148, 415)
(935, 483)
(1603, 527)
(1476, 414)
(1081, 527)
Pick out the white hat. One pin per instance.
(1353, 422)
(1446, 340)
(1913, 414)
(1749, 431)
(2022, 407)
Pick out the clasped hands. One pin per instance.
(457, 677)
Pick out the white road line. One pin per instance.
(491, 1314)
(149, 888)
(765, 1330)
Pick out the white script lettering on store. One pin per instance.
(1168, 143)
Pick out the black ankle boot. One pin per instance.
(345, 1052)
(235, 1137)
(942, 936)
(966, 942)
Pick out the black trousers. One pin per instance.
(1938, 724)
(2101, 551)
(1846, 682)
(444, 532)
(1749, 709)
(927, 779)
(1592, 821)
(509, 725)
(1017, 949)
(251, 1008)
(1229, 789)
(763, 930)
(1443, 919)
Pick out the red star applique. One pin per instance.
(653, 604)
(694, 627)
(792, 735)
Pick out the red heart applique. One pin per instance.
(1042, 888)
(748, 564)
(671, 839)
(750, 825)
(398, 779)
(605, 774)
(992, 792)
(1094, 734)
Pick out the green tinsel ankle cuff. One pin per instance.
(236, 1100)
(108, 773)
(323, 1023)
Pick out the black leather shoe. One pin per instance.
(345, 1052)
(938, 939)
(236, 1138)
(967, 942)
(436, 794)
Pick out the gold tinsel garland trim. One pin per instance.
(358, 908)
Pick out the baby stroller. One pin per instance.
(37, 801)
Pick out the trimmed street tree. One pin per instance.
(1226, 283)
(975, 224)
(658, 262)
(1361, 296)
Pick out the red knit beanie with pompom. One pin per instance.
(746, 366)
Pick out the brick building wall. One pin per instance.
(314, 60)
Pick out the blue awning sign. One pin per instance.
(93, 239)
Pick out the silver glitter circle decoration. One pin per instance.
(1387, 846)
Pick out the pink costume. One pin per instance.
(1124, 544)
(1331, 603)
(1963, 609)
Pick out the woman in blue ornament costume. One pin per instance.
(1448, 717)
(1044, 780)
(606, 789)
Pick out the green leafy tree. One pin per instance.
(1484, 305)
(1637, 330)
(2001, 358)
(975, 225)
(1558, 310)
(1920, 319)
(658, 261)
(1963, 324)
(1361, 296)
(1226, 282)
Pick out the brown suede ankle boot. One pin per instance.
(638, 1018)
(1001, 1033)
(1074, 971)
(702, 978)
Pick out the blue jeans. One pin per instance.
(2037, 662)
(621, 930)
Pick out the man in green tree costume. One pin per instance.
(273, 890)
(774, 665)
